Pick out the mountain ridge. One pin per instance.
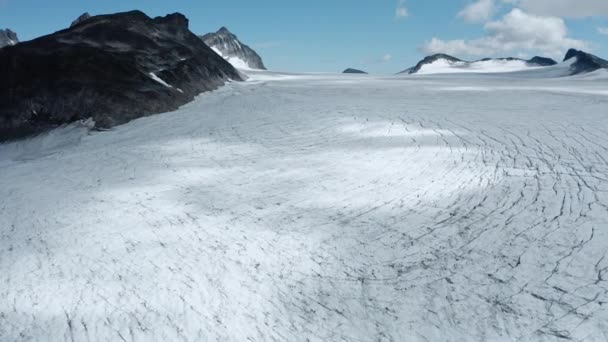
(112, 68)
(535, 61)
(585, 62)
(227, 45)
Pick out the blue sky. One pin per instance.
(383, 36)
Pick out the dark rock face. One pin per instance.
(80, 19)
(585, 62)
(541, 61)
(229, 46)
(7, 38)
(353, 71)
(106, 68)
(536, 61)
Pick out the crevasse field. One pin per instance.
(318, 208)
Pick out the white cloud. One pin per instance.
(603, 30)
(387, 58)
(401, 11)
(478, 11)
(564, 8)
(516, 32)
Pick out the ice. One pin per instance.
(297, 207)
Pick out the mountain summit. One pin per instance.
(585, 62)
(227, 45)
(8, 37)
(80, 19)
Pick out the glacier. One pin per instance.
(318, 207)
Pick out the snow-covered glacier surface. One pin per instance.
(318, 208)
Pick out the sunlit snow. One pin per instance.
(443, 66)
(159, 80)
(306, 208)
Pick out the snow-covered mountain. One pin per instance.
(442, 63)
(80, 19)
(576, 63)
(227, 45)
(8, 37)
(353, 71)
(111, 68)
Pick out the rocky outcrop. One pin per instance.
(111, 68)
(353, 71)
(80, 19)
(227, 45)
(8, 38)
(585, 62)
(541, 61)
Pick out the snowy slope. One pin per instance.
(562, 69)
(442, 66)
(317, 208)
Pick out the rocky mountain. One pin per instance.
(584, 62)
(227, 45)
(445, 62)
(430, 60)
(353, 71)
(541, 61)
(7, 38)
(111, 68)
(80, 19)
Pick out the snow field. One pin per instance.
(317, 208)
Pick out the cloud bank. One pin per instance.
(531, 27)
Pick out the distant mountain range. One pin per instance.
(446, 62)
(8, 38)
(112, 68)
(443, 63)
(227, 45)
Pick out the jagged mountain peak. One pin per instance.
(224, 30)
(81, 18)
(174, 20)
(572, 53)
(227, 45)
(8, 37)
(585, 62)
